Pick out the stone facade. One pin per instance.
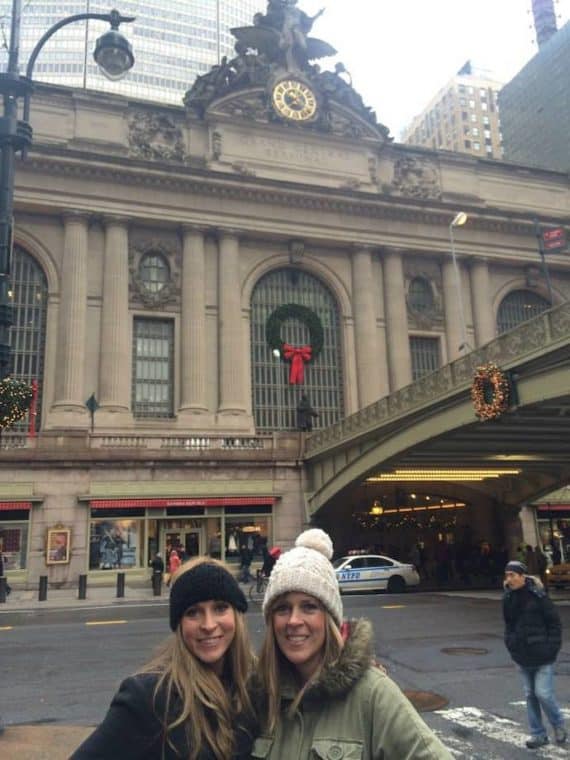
(220, 197)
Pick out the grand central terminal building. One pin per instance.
(196, 270)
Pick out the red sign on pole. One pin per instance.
(554, 239)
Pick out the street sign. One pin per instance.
(554, 239)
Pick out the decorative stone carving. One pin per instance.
(217, 145)
(429, 318)
(242, 168)
(416, 177)
(155, 136)
(169, 294)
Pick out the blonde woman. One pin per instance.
(190, 701)
(320, 694)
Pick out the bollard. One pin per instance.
(3, 584)
(120, 585)
(82, 587)
(156, 582)
(43, 588)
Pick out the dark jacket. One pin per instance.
(353, 710)
(533, 632)
(133, 730)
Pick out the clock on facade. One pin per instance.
(294, 100)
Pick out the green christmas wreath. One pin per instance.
(304, 315)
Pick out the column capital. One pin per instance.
(188, 228)
(73, 215)
(364, 247)
(107, 220)
(228, 232)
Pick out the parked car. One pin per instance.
(374, 572)
(559, 575)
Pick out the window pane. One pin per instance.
(28, 286)
(274, 399)
(420, 296)
(425, 356)
(153, 367)
(519, 306)
(154, 272)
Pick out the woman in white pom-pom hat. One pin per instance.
(319, 692)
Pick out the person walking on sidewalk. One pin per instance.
(533, 636)
(191, 700)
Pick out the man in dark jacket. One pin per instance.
(533, 636)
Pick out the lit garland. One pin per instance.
(15, 400)
(490, 392)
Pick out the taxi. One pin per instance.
(374, 572)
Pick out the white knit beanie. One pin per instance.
(307, 569)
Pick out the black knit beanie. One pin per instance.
(514, 566)
(202, 583)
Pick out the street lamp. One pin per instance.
(458, 221)
(114, 57)
(277, 354)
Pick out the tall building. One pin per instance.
(173, 42)
(463, 116)
(535, 106)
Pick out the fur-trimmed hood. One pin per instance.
(355, 659)
(532, 583)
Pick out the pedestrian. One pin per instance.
(191, 699)
(319, 693)
(2, 567)
(541, 565)
(157, 565)
(533, 636)
(174, 563)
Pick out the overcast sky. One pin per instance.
(400, 52)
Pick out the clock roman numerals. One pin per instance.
(294, 100)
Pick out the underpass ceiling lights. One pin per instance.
(418, 475)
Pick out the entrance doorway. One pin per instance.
(192, 543)
(186, 540)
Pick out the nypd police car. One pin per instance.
(374, 572)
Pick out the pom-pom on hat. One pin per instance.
(307, 569)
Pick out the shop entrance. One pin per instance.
(187, 540)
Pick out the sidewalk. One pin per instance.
(43, 742)
(21, 601)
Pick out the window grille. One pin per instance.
(29, 295)
(274, 400)
(425, 356)
(153, 367)
(420, 296)
(154, 272)
(518, 307)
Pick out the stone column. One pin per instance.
(115, 365)
(483, 316)
(366, 343)
(193, 410)
(399, 355)
(68, 409)
(232, 406)
(453, 317)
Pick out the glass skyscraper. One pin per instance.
(173, 42)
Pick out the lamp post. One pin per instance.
(277, 355)
(114, 57)
(458, 221)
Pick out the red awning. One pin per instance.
(554, 507)
(221, 501)
(6, 505)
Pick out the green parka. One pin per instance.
(352, 712)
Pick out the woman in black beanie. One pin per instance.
(191, 700)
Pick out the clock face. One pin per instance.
(294, 100)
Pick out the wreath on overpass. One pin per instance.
(490, 392)
(298, 356)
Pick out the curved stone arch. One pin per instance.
(311, 266)
(38, 251)
(520, 283)
(419, 428)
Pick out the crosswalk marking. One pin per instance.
(491, 726)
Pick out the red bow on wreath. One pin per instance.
(297, 357)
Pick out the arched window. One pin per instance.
(29, 293)
(518, 307)
(274, 399)
(420, 295)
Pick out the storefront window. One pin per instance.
(14, 542)
(115, 544)
(247, 537)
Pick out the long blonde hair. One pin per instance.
(273, 666)
(209, 708)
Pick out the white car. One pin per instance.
(374, 572)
